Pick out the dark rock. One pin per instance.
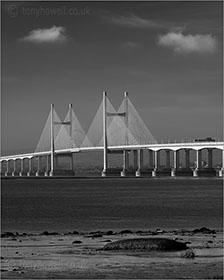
(148, 244)
(24, 234)
(7, 234)
(44, 233)
(49, 233)
(109, 232)
(77, 242)
(204, 230)
(189, 254)
(126, 231)
(75, 232)
(2, 258)
(3, 270)
(210, 241)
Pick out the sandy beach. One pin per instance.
(79, 255)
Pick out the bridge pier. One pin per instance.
(221, 171)
(156, 163)
(15, 172)
(21, 173)
(105, 155)
(198, 163)
(176, 163)
(38, 166)
(29, 173)
(46, 173)
(125, 163)
(7, 168)
(138, 172)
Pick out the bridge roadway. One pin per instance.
(154, 147)
(154, 168)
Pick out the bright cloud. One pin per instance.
(48, 35)
(180, 43)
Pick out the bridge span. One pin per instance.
(121, 131)
(154, 168)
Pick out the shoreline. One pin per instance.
(80, 255)
(109, 231)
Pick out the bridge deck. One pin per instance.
(153, 147)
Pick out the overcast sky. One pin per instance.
(167, 55)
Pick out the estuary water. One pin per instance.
(89, 204)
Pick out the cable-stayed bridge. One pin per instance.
(111, 131)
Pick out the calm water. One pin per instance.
(35, 205)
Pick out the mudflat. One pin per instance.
(81, 255)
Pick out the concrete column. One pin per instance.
(38, 167)
(176, 159)
(52, 140)
(221, 171)
(210, 158)
(198, 162)
(198, 159)
(71, 162)
(156, 163)
(105, 158)
(70, 126)
(21, 167)
(140, 163)
(30, 167)
(46, 173)
(187, 158)
(176, 162)
(7, 168)
(150, 159)
(135, 159)
(157, 160)
(168, 159)
(14, 168)
(125, 163)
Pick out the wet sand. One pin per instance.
(79, 256)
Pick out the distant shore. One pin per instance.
(109, 177)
